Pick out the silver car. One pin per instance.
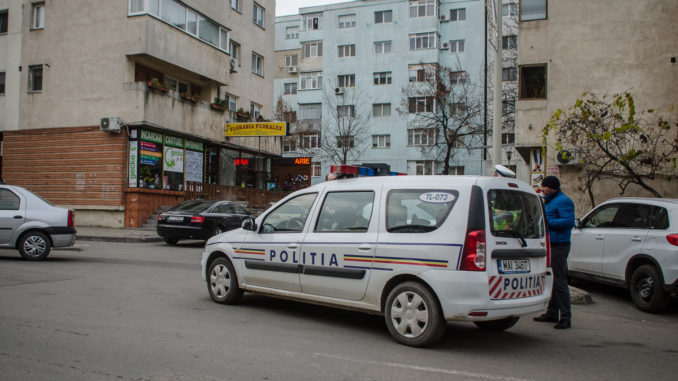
(32, 225)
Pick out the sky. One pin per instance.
(291, 7)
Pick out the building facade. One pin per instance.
(357, 61)
(110, 108)
(616, 46)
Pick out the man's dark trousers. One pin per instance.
(560, 297)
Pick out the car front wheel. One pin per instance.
(413, 316)
(34, 246)
(222, 283)
(647, 290)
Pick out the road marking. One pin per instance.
(423, 368)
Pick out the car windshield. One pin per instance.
(193, 205)
(515, 214)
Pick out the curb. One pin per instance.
(118, 239)
(578, 296)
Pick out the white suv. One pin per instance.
(630, 242)
(421, 250)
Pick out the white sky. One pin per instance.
(291, 7)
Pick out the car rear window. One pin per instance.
(514, 212)
(194, 205)
(417, 210)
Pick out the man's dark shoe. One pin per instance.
(563, 324)
(546, 318)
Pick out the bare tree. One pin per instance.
(446, 111)
(616, 142)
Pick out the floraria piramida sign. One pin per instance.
(256, 129)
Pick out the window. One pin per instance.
(456, 170)
(345, 212)
(290, 216)
(346, 111)
(291, 32)
(311, 21)
(209, 32)
(346, 80)
(35, 78)
(423, 167)
(311, 81)
(381, 17)
(532, 10)
(257, 64)
(533, 82)
(234, 48)
(381, 141)
(408, 212)
(508, 107)
(235, 4)
(4, 20)
(255, 111)
(383, 78)
(458, 77)
(381, 110)
(509, 74)
(345, 142)
(9, 200)
(423, 41)
(458, 108)
(258, 14)
(38, 19)
(313, 49)
(509, 42)
(508, 138)
(418, 73)
(290, 88)
(346, 51)
(312, 111)
(510, 9)
(458, 14)
(421, 137)
(422, 8)
(626, 215)
(420, 104)
(291, 60)
(346, 21)
(382, 47)
(457, 46)
(316, 168)
(310, 141)
(2, 83)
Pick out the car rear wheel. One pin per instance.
(171, 241)
(497, 325)
(222, 283)
(34, 246)
(647, 290)
(413, 316)
(217, 230)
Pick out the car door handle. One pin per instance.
(365, 247)
(600, 237)
(18, 217)
(636, 239)
(293, 246)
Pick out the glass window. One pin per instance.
(659, 218)
(514, 211)
(458, 14)
(346, 80)
(310, 141)
(311, 81)
(2, 83)
(345, 141)
(381, 141)
(346, 111)
(423, 41)
(313, 49)
(258, 15)
(458, 77)
(510, 9)
(381, 110)
(421, 137)
(136, 6)
(4, 20)
(420, 104)
(191, 22)
(223, 39)
(422, 8)
(208, 31)
(290, 216)
(35, 78)
(381, 17)
(290, 88)
(255, 110)
(509, 42)
(421, 73)
(533, 82)
(346, 51)
(457, 46)
(257, 64)
(383, 78)
(38, 20)
(8, 200)
(234, 50)
(291, 32)
(532, 10)
(509, 74)
(235, 4)
(311, 21)
(346, 21)
(291, 60)
(174, 13)
(345, 212)
(310, 111)
(382, 47)
(153, 7)
(316, 168)
(418, 211)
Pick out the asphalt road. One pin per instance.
(126, 311)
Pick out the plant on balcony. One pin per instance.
(242, 115)
(155, 84)
(219, 104)
(189, 97)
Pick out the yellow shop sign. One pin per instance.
(256, 129)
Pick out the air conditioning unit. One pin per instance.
(110, 124)
(234, 65)
(292, 69)
(339, 90)
(445, 45)
(568, 156)
(443, 18)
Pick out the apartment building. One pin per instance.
(602, 47)
(357, 61)
(110, 107)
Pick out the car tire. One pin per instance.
(497, 325)
(413, 315)
(34, 246)
(647, 290)
(222, 282)
(217, 230)
(171, 241)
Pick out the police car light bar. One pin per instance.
(356, 170)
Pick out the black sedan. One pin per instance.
(200, 219)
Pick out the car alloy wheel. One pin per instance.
(647, 290)
(34, 246)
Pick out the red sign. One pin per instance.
(302, 161)
(243, 162)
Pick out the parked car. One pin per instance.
(421, 250)
(633, 243)
(200, 219)
(32, 225)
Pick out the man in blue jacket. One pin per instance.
(560, 220)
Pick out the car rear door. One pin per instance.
(624, 238)
(12, 214)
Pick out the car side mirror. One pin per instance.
(577, 223)
(249, 224)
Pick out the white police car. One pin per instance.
(422, 250)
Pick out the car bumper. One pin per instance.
(182, 232)
(62, 236)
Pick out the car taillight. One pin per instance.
(160, 217)
(71, 218)
(548, 250)
(673, 239)
(473, 257)
(197, 219)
